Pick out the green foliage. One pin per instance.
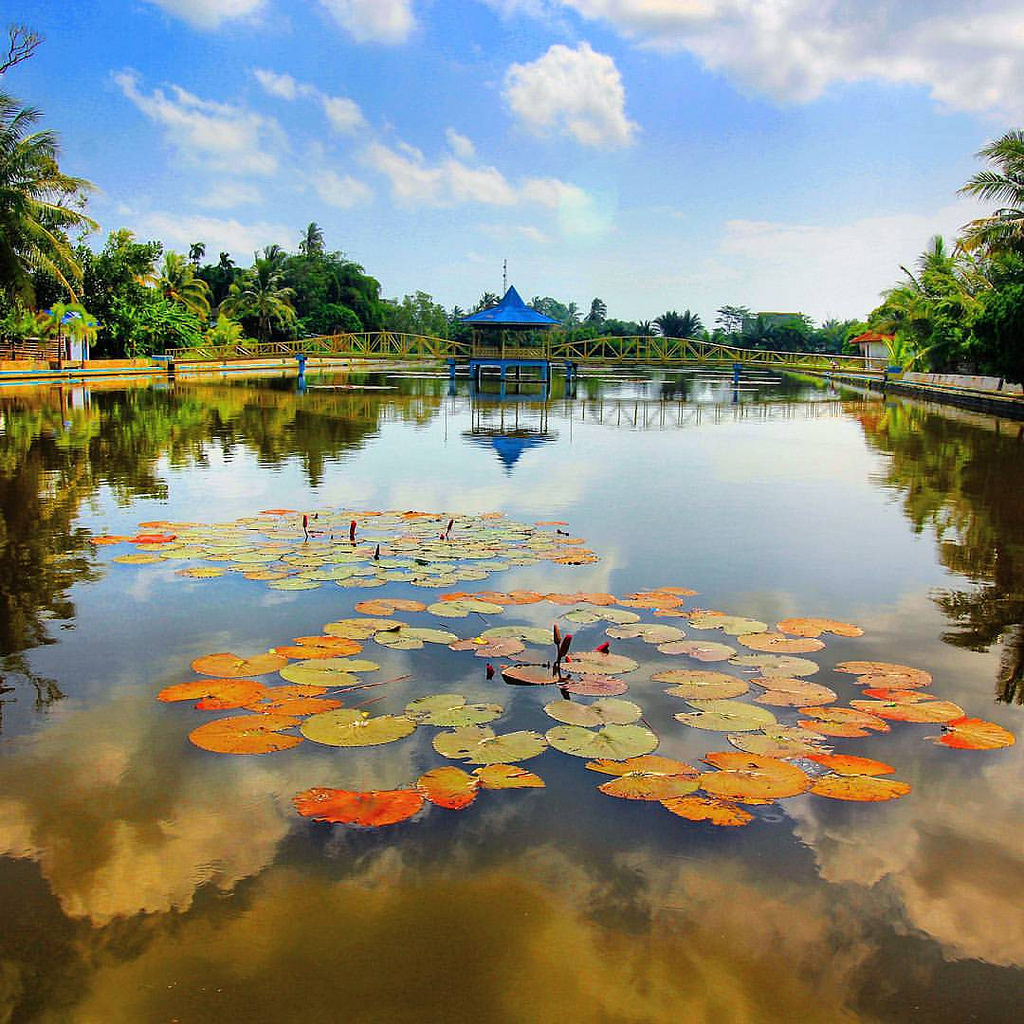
(261, 296)
(178, 283)
(416, 314)
(38, 206)
(225, 332)
(153, 325)
(1003, 230)
(679, 325)
(331, 318)
(17, 322)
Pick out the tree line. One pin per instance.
(961, 307)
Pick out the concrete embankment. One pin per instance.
(983, 394)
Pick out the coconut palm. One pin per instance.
(38, 205)
(679, 325)
(262, 295)
(1003, 184)
(178, 282)
(312, 243)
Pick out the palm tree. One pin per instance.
(598, 312)
(1004, 184)
(647, 328)
(178, 282)
(37, 205)
(196, 251)
(262, 295)
(273, 253)
(679, 325)
(312, 243)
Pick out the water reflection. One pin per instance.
(959, 476)
(144, 879)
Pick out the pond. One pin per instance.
(146, 879)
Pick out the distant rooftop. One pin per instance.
(510, 312)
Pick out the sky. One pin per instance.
(659, 154)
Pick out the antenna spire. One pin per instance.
(504, 276)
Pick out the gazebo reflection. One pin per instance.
(509, 430)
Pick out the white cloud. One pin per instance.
(225, 195)
(462, 147)
(527, 231)
(343, 192)
(416, 182)
(209, 14)
(373, 21)
(282, 86)
(241, 240)
(578, 92)
(343, 113)
(829, 269)
(970, 56)
(218, 135)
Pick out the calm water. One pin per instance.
(143, 879)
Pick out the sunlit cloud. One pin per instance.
(373, 21)
(210, 14)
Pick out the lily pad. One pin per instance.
(752, 778)
(412, 638)
(214, 694)
(648, 632)
(652, 764)
(905, 711)
(776, 664)
(361, 629)
(349, 727)
(529, 675)
(850, 764)
(702, 650)
(231, 666)
(779, 643)
(528, 634)
(500, 647)
(862, 788)
(594, 686)
(734, 625)
(815, 627)
(887, 674)
(507, 776)
(841, 722)
(649, 786)
(385, 607)
(726, 716)
(709, 809)
(701, 684)
(448, 787)
(460, 609)
(613, 742)
(784, 692)
(480, 745)
(371, 809)
(246, 734)
(449, 710)
(780, 741)
(601, 664)
(606, 711)
(974, 734)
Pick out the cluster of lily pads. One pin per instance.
(772, 758)
(289, 550)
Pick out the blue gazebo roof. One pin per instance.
(510, 312)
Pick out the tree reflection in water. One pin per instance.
(960, 475)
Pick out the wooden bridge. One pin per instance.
(625, 351)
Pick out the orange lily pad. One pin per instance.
(886, 674)
(782, 692)
(779, 643)
(850, 764)
(230, 665)
(507, 776)
(246, 734)
(387, 606)
(701, 684)
(595, 686)
(371, 809)
(920, 711)
(841, 721)
(448, 786)
(709, 809)
(649, 786)
(815, 627)
(215, 694)
(752, 778)
(581, 598)
(647, 763)
(974, 734)
(702, 650)
(861, 788)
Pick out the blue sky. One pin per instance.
(779, 154)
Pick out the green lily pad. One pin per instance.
(460, 609)
(328, 672)
(528, 634)
(613, 742)
(412, 638)
(701, 684)
(449, 710)
(776, 664)
(480, 745)
(726, 715)
(601, 664)
(650, 633)
(606, 711)
(780, 741)
(588, 614)
(348, 727)
(734, 625)
(702, 650)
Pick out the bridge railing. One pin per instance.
(609, 350)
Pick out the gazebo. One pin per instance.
(505, 337)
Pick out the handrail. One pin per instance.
(625, 350)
